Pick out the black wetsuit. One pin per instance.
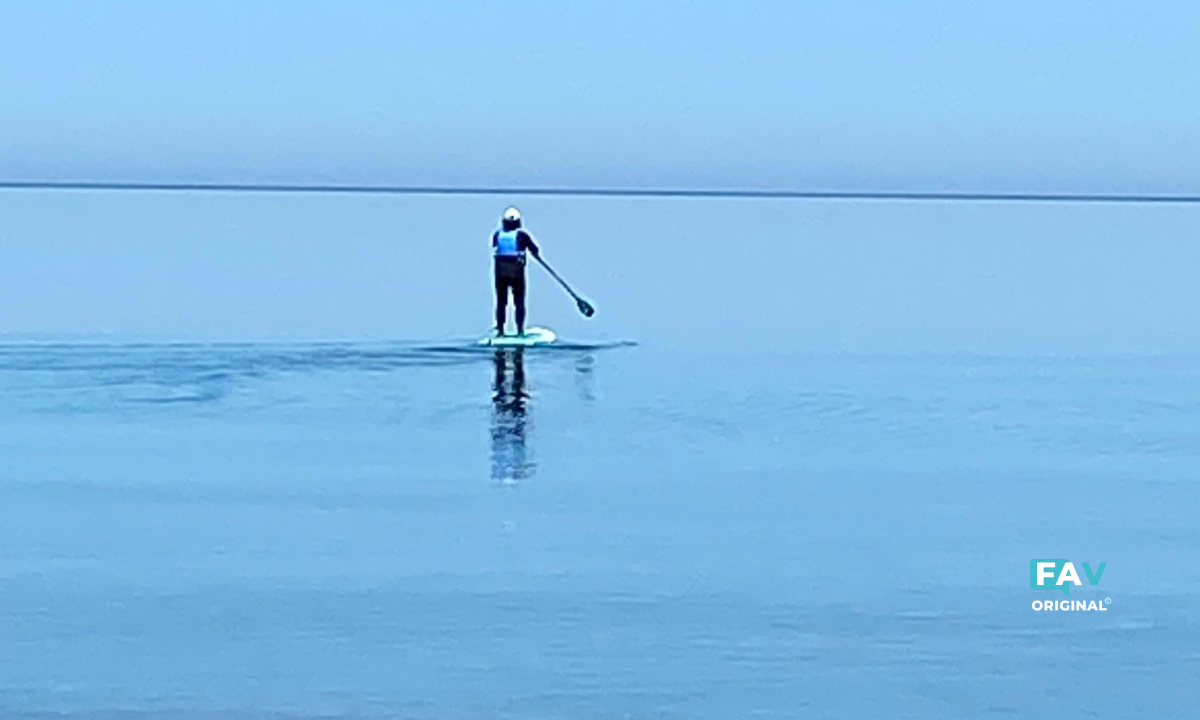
(510, 275)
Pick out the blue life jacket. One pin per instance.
(508, 244)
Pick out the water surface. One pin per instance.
(602, 531)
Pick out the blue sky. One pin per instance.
(1015, 95)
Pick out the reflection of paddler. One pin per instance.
(509, 245)
(509, 417)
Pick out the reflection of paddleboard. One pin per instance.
(532, 336)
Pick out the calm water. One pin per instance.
(599, 531)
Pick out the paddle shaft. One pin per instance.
(556, 277)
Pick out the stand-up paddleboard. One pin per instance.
(533, 336)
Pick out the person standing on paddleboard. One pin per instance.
(509, 245)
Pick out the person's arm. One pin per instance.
(495, 238)
(525, 240)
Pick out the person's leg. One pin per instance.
(501, 301)
(519, 301)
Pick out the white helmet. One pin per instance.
(512, 215)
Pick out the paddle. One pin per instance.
(585, 307)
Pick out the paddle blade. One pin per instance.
(585, 307)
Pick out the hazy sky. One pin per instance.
(1061, 96)
(1002, 95)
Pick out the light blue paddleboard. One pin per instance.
(533, 336)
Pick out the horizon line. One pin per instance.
(700, 193)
